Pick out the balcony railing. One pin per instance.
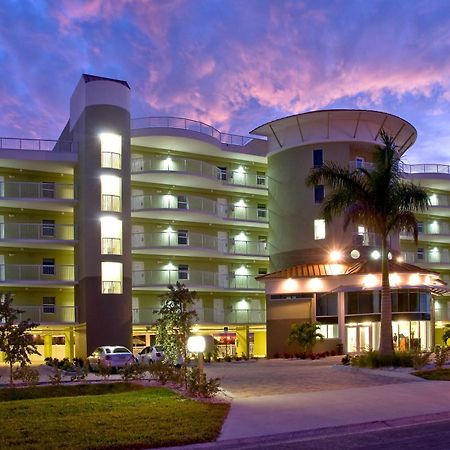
(428, 257)
(161, 278)
(37, 231)
(43, 145)
(111, 287)
(111, 160)
(33, 272)
(191, 125)
(41, 314)
(111, 203)
(366, 239)
(207, 315)
(111, 246)
(426, 168)
(33, 190)
(200, 168)
(194, 241)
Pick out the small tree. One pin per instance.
(305, 335)
(15, 341)
(177, 317)
(446, 335)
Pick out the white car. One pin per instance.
(113, 356)
(151, 354)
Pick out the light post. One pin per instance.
(197, 344)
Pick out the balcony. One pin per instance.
(198, 279)
(149, 316)
(214, 177)
(37, 274)
(44, 315)
(194, 242)
(187, 207)
(41, 145)
(37, 234)
(433, 259)
(426, 168)
(436, 231)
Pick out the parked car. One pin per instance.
(151, 354)
(113, 356)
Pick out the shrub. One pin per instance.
(440, 356)
(133, 372)
(199, 385)
(276, 355)
(80, 370)
(104, 371)
(420, 359)
(346, 360)
(163, 372)
(27, 375)
(227, 358)
(286, 355)
(312, 356)
(372, 359)
(56, 377)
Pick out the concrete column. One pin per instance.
(47, 346)
(69, 344)
(341, 319)
(259, 343)
(432, 323)
(313, 308)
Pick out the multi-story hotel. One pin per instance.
(94, 227)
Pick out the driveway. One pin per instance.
(278, 376)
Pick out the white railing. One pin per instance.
(34, 272)
(192, 241)
(427, 257)
(439, 200)
(111, 160)
(195, 167)
(158, 278)
(37, 231)
(33, 190)
(48, 314)
(111, 203)
(111, 246)
(426, 168)
(353, 165)
(191, 125)
(206, 315)
(43, 145)
(366, 239)
(432, 228)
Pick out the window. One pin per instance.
(48, 189)
(420, 227)
(318, 158)
(48, 266)
(260, 178)
(319, 229)
(261, 211)
(48, 305)
(111, 150)
(183, 237)
(262, 271)
(262, 242)
(182, 202)
(221, 173)
(359, 162)
(319, 193)
(48, 228)
(183, 272)
(420, 254)
(326, 305)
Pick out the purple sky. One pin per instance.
(232, 63)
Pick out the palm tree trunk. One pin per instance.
(386, 341)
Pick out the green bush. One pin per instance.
(420, 359)
(440, 356)
(104, 371)
(372, 359)
(27, 375)
(163, 372)
(199, 385)
(133, 372)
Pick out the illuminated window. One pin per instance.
(111, 148)
(222, 173)
(111, 278)
(111, 193)
(111, 235)
(319, 229)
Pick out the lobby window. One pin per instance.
(260, 178)
(111, 150)
(221, 173)
(48, 266)
(183, 237)
(48, 189)
(261, 211)
(48, 228)
(319, 193)
(318, 157)
(48, 305)
(183, 272)
(182, 202)
(319, 229)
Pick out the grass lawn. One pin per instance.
(436, 374)
(126, 417)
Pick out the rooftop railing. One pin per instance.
(41, 145)
(426, 168)
(191, 125)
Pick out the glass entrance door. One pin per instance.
(359, 338)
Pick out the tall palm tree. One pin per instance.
(379, 199)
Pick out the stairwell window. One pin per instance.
(420, 254)
(319, 193)
(319, 229)
(261, 211)
(48, 266)
(317, 157)
(48, 305)
(183, 272)
(48, 228)
(182, 202)
(183, 237)
(260, 178)
(221, 173)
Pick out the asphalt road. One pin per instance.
(428, 436)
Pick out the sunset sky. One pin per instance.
(234, 64)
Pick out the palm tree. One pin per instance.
(379, 199)
(305, 335)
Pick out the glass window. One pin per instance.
(183, 272)
(319, 229)
(48, 189)
(420, 254)
(326, 305)
(261, 178)
(262, 271)
(420, 227)
(414, 301)
(48, 305)
(182, 202)
(319, 193)
(48, 266)
(403, 303)
(352, 303)
(262, 211)
(424, 299)
(222, 173)
(359, 162)
(183, 237)
(318, 158)
(48, 228)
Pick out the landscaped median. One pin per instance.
(112, 415)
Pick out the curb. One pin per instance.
(299, 436)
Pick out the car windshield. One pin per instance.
(121, 350)
(158, 348)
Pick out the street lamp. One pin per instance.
(197, 344)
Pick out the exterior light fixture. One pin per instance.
(355, 254)
(335, 255)
(400, 259)
(289, 285)
(197, 344)
(414, 279)
(370, 281)
(375, 254)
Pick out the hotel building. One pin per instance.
(95, 225)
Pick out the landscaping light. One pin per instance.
(196, 344)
